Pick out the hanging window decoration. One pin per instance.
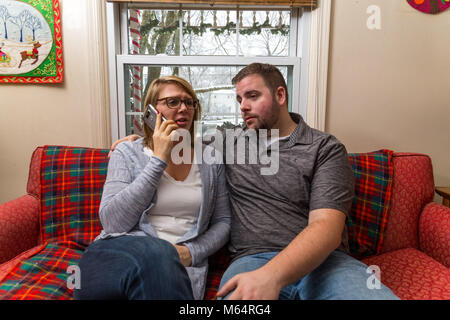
(30, 41)
(430, 6)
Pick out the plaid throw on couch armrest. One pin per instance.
(373, 191)
(71, 188)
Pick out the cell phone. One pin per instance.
(150, 116)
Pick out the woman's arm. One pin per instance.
(124, 199)
(218, 233)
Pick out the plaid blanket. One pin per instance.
(373, 191)
(43, 276)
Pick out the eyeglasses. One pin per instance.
(175, 103)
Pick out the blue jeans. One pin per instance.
(133, 268)
(339, 277)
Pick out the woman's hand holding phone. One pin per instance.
(162, 138)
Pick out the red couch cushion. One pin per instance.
(19, 227)
(411, 274)
(434, 232)
(413, 188)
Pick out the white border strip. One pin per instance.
(205, 60)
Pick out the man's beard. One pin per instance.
(269, 122)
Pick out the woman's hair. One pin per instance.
(153, 95)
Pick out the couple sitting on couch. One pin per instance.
(162, 219)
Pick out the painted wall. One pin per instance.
(389, 88)
(67, 114)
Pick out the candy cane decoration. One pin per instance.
(136, 88)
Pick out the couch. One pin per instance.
(394, 227)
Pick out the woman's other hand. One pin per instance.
(185, 255)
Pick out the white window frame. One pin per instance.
(309, 36)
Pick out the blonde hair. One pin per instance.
(152, 97)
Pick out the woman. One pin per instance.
(161, 220)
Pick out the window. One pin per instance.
(205, 45)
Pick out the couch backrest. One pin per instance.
(34, 177)
(413, 188)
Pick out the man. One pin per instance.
(288, 234)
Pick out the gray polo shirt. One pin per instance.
(269, 211)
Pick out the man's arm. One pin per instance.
(130, 138)
(305, 253)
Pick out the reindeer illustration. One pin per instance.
(34, 54)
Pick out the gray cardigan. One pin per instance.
(130, 191)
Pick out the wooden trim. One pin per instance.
(292, 3)
(444, 192)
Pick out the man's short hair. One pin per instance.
(271, 75)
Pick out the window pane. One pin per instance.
(209, 32)
(153, 32)
(211, 83)
(264, 33)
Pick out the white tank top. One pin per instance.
(178, 205)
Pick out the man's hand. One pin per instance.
(303, 254)
(254, 285)
(185, 255)
(130, 138)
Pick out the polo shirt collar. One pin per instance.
(302, 134)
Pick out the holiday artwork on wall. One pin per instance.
(30, 41)
(430, 6)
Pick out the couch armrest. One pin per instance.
(19, 226)
(434, 232)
